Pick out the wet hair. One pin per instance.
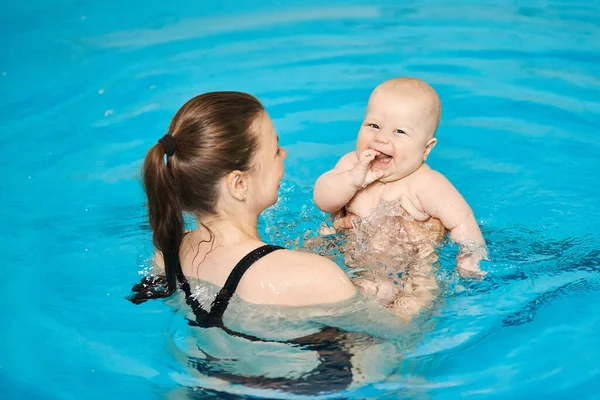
(212, 137)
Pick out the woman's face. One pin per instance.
(268, 167)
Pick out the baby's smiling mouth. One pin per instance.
(383, 158)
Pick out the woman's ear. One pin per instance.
(237, 184)
(428, 147)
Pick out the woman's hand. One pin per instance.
(341, 221)
(344, 220)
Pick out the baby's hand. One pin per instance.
(468, 266)
(362, 174)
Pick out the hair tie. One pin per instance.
(169, 143)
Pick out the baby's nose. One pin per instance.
(379, 138)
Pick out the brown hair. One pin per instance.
(213, 137)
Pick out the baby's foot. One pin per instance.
(387, 291)
(406, 307)
(420, 284)
(366, 286)
(384, 291)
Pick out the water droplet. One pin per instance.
(108, 294)
(108, 112)
(100, 91)
(29, 177)
(86, 210)
(86, 249)
(4, 74)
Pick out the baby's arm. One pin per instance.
(335, 188)
(440, 199)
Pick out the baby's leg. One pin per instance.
(383, 290)
(418, 293)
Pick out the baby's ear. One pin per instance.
(428, 147)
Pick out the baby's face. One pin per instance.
(400, 124)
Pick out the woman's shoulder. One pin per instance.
(295, 278)
(304, 260)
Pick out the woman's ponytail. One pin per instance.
(166, 220)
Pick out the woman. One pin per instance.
(224, 166)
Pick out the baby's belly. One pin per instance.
(394, 243)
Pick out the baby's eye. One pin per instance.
(375, 126)
(400, 131)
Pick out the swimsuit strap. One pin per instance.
(219, 305)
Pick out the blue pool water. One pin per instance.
(86, 88)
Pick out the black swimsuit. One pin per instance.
(334, 371)
(214, 317)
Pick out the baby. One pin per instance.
(386, 179)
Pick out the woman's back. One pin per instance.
(283, 277)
